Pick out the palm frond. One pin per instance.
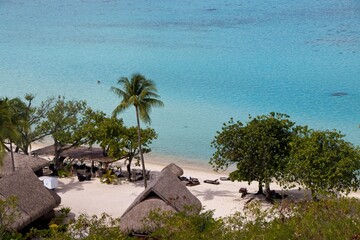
(120, 108)
(154, 102)
(144, 112)
(140, 92)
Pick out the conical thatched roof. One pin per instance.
(22, 161)
(33, 199)
(165, 193)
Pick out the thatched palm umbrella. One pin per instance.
(33, 199)
(82, 153)
(165, 193)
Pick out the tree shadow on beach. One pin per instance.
(210, 194)
(297, 194)
(74, 184)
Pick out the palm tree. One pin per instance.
(11, 119)
(142, 94)
(5, 123)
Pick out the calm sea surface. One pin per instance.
(211, 60)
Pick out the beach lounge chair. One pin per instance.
(192, 182)
(216, 182)
(88, 177)
(224, 178)
(183, 179)
(81, 177)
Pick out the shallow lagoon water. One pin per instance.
(211, 60)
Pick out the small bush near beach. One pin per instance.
(336, 218)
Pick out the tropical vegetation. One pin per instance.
(260, 149)
(12, 120)
(69, 123)
(323, 162)
(141, 93)
(119, 141)
(271, 147)
(333, 218)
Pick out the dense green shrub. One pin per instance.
(64, 173)
(337, 218)
(8, 213)
(85, 227)
(183, 226)
(325, 219)
(109, 178)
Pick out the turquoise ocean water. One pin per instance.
(211, 60)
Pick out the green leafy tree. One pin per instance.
(130, 144)
(142, 94)
(260, 149)
(107, 132)
(323, 162)
(34, 115)
(68, 123)
(121, 142)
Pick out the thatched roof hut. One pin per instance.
(165, 193)
(81, 153)
(33, 199)
(22, 161)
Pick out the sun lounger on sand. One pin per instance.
(192, 182)
(225, 179)
(216, 182)
(183, 179)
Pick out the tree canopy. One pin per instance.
(323, 162)
(67, 122)
(119, 141)
(34, 116)
(260, 148)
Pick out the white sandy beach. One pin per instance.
(93, 197)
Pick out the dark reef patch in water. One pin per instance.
(339, 94)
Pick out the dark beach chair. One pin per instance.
(88, 177)
(225, 179)
(183, 179)
(81, 177)
(193, 182)
(216, 182)
(243, 192)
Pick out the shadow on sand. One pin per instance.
(74, 184)
(210, 194)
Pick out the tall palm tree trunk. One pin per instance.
(12, 157)
(140, 149)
